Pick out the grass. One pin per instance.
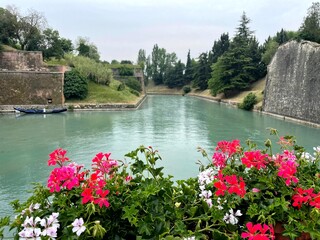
(106, 94)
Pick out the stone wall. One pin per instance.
(30, 88)
(21, 61)
(293, 82)
(24, 80)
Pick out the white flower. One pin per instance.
(190, 238)
(231, 218)
(209, 202)
(307, 156)
(78, 226)
(206, 194)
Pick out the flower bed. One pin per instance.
(243, 193)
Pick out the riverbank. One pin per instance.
(257, 88)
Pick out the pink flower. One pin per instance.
(255, 159)
(65, 177)
(229, 183)
(229, 148)
(57, 157)
(255, 190)
(258, 232)
(219, 159)
(302, 197)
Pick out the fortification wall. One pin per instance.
(293, 82)
(29, 88)
(21, 61)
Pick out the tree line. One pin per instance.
(232, 64)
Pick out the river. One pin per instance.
(174, 125)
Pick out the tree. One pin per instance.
(310, 28)
(219, 47)
(174, 75)
(188, 74)
(75, 85)
(27, 29)
(87, 49)
(7, 30)
(202, 72)
(52, 45)
(270, 48)
(141, 61)
(240, 65)
(157, 64)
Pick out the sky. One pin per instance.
(119, 28)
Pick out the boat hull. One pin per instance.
(40, 111)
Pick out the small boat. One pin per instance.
(40, 111)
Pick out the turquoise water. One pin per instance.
(174, 125)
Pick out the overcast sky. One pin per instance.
(119, 28)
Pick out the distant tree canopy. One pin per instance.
(310, 28)
(87, 49)
(240, 65)
(28, 32)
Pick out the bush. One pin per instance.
(90, 69)
(133, 83)
(75, 85)
(134, 92)
(121, 87)
(125, 71)
(186, 89)
(248, 102)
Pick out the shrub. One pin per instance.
(133, 83)
(121, 87)
(134, 92)
(90, 69)
(186, 89)
(75, 85)
(248, 102)
(125, 71)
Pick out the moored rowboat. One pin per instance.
(40, 111)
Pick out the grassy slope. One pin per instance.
(107, 94)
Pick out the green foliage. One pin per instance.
(219, 48)
(159, 63)
(271, 48)
(126, 62)
(134, 92)
(98, 93)
(87, 49)
(53, 46)
(186, 89)
(141, 61)
(121, 87)
(240, 65)
(202, 72)
(125, 71)
(189, 72)
(92, 70)
(248, 102)
(75, 85)
(133, 83)
(310, 29)
(173, 76)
